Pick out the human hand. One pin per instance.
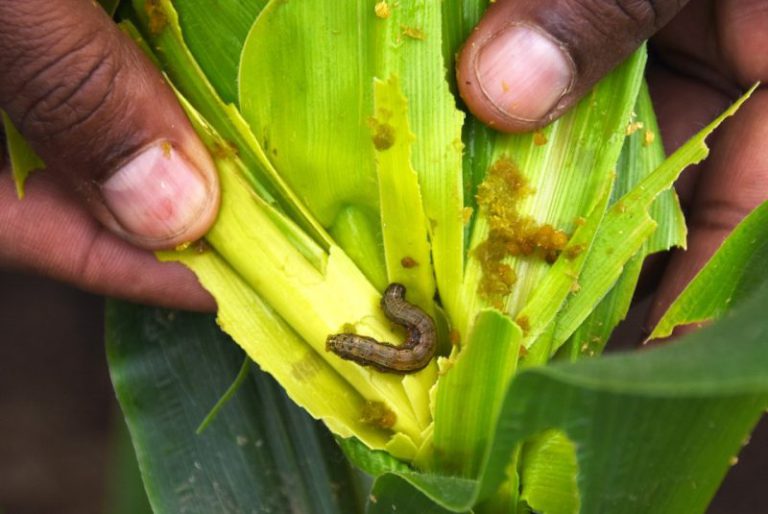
(126, 173)
(529, 61)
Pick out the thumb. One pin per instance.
(101, 116)
(528, 61)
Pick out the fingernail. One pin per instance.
(523, 72)
(157, 195)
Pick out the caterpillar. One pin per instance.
(414, 354)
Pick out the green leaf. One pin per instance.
(406, 241)
(373, 462)
(466, 408)
(242, 376)
(412, 50)
(593, 333)
(323, 145)
(287, 277)
(459, 18)
(261, 453)
(392, 493)
(308, 102)
(546, 300)
(215, 34)
(736, 270)
(569, 167)
(655, 431)
(358, 231)
(275, 280)
(549, 474)
(626, 227)
(643, 152)
(24, 160)
(125, 489)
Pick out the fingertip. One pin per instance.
(68, 245)
(529, 61)
(105, 120)
(513, 77)
(162, 196)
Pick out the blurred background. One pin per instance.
(63, 448)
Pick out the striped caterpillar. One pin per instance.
(413, 355)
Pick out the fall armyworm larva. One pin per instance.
(413, 355)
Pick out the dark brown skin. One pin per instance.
(95, 108)
(414, 354)
(593, 35)
(703, 59)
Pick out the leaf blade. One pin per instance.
(729, 276)
(168, 368)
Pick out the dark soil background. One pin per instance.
(57, 409)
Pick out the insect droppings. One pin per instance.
(411, 356)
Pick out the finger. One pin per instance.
(684, 106)
(734, 181)
(745, 38)
(720, 42)
(3, 145)
(99, 114)
(52, 234)
(528, 61)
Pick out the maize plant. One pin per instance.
(348, 164)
